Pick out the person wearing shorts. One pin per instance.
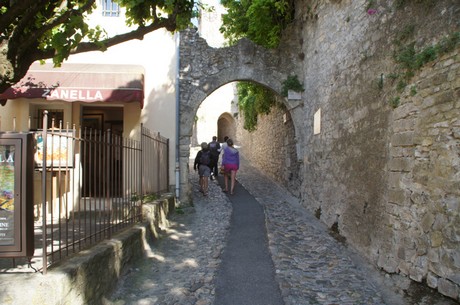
(231, 164)
(204, 170)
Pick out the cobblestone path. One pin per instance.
(311, 266)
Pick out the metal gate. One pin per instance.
(92, 184)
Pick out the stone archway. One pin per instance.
(204, 69)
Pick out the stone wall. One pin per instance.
(386, 177)
(273, 149)
(424, 183)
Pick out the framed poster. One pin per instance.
(16, 195)
(59, 149)
(8, 181)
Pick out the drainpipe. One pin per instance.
(177, 116)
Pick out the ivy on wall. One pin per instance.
(408, 55)
(409, 59)
(254, 99)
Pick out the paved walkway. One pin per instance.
(246, 275)
(310, 266)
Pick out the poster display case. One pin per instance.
(16, 194)
(60, 149)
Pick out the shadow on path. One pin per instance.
(246, 275)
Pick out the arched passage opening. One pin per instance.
(271, 147)
(204, 71)
(226, 126)
(215, 116)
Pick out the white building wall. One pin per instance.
(157, 54)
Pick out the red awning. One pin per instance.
(81, 82)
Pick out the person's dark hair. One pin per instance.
(214, 138)
(204, 146)
(225, 139)
(230, 142)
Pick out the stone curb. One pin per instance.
(85, 278)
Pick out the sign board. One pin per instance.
(294, 95)
(59, 149)
(16, 195)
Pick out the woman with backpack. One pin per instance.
(231, 164)
(202, 162)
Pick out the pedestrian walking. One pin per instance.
(231, 164)
(214, 148)
(222, 147)
(202, 163)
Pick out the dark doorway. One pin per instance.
(102, 150)
(226, 126)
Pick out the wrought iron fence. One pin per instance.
(93, 183)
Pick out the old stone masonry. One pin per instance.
(311, 267)
(372, 145)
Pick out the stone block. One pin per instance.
(394, 179)
(436, 239)
(437, 268)
(452, 234)
(439, 79)
(404, 267)
(443, 97)
(403, 139)
(443, 124)
(428, 102)
(422, 245)
(419, 199)
(427, 222)
(433, 255)
(432, 280)
(409, 243)
(401, 164)
(456, 132)
(404, 125)
(411, 254)
(456, 83)
(416, 274)
(405, 111)
(401, 253)
(397, 196)
(421, 262)
(455, 278)
(448, 288)
(427, 142)
(388, 264)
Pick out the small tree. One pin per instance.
(261, 21)
(33, 30)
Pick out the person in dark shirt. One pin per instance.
(202, 162)
(214, 148)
